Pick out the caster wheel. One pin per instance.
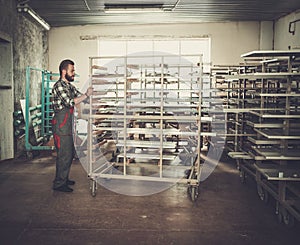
(263, 194)
(242, 176)
(287, 218)
(29, 155)
(93, 187)
(193, 193)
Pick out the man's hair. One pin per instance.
(64, 65)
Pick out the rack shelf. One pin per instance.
(263, 95)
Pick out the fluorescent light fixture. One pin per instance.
(26, 9)
(133, 8)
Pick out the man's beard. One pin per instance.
(69, 78)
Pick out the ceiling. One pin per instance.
(81, 12)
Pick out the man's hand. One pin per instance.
(84, 96)
(89, 91)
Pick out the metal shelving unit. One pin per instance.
(149, 110)
(38, 115)
(229, 91)
(269, 119)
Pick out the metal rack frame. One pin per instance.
(267, 136)
(135, 107)
(38, 117)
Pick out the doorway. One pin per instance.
(6, 100)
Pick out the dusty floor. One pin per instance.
(226, 212)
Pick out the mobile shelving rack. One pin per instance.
(149, 110)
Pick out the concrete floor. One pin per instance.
(227, 211)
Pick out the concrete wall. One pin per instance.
(30, 48)
(284, 40)
(30, 45)
(228, 40)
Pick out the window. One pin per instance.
(179, 46)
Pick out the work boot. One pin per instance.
(63, 188)
(70, 182)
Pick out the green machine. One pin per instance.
(33, 122)
(38, 118)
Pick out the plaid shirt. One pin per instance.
(63, 95)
